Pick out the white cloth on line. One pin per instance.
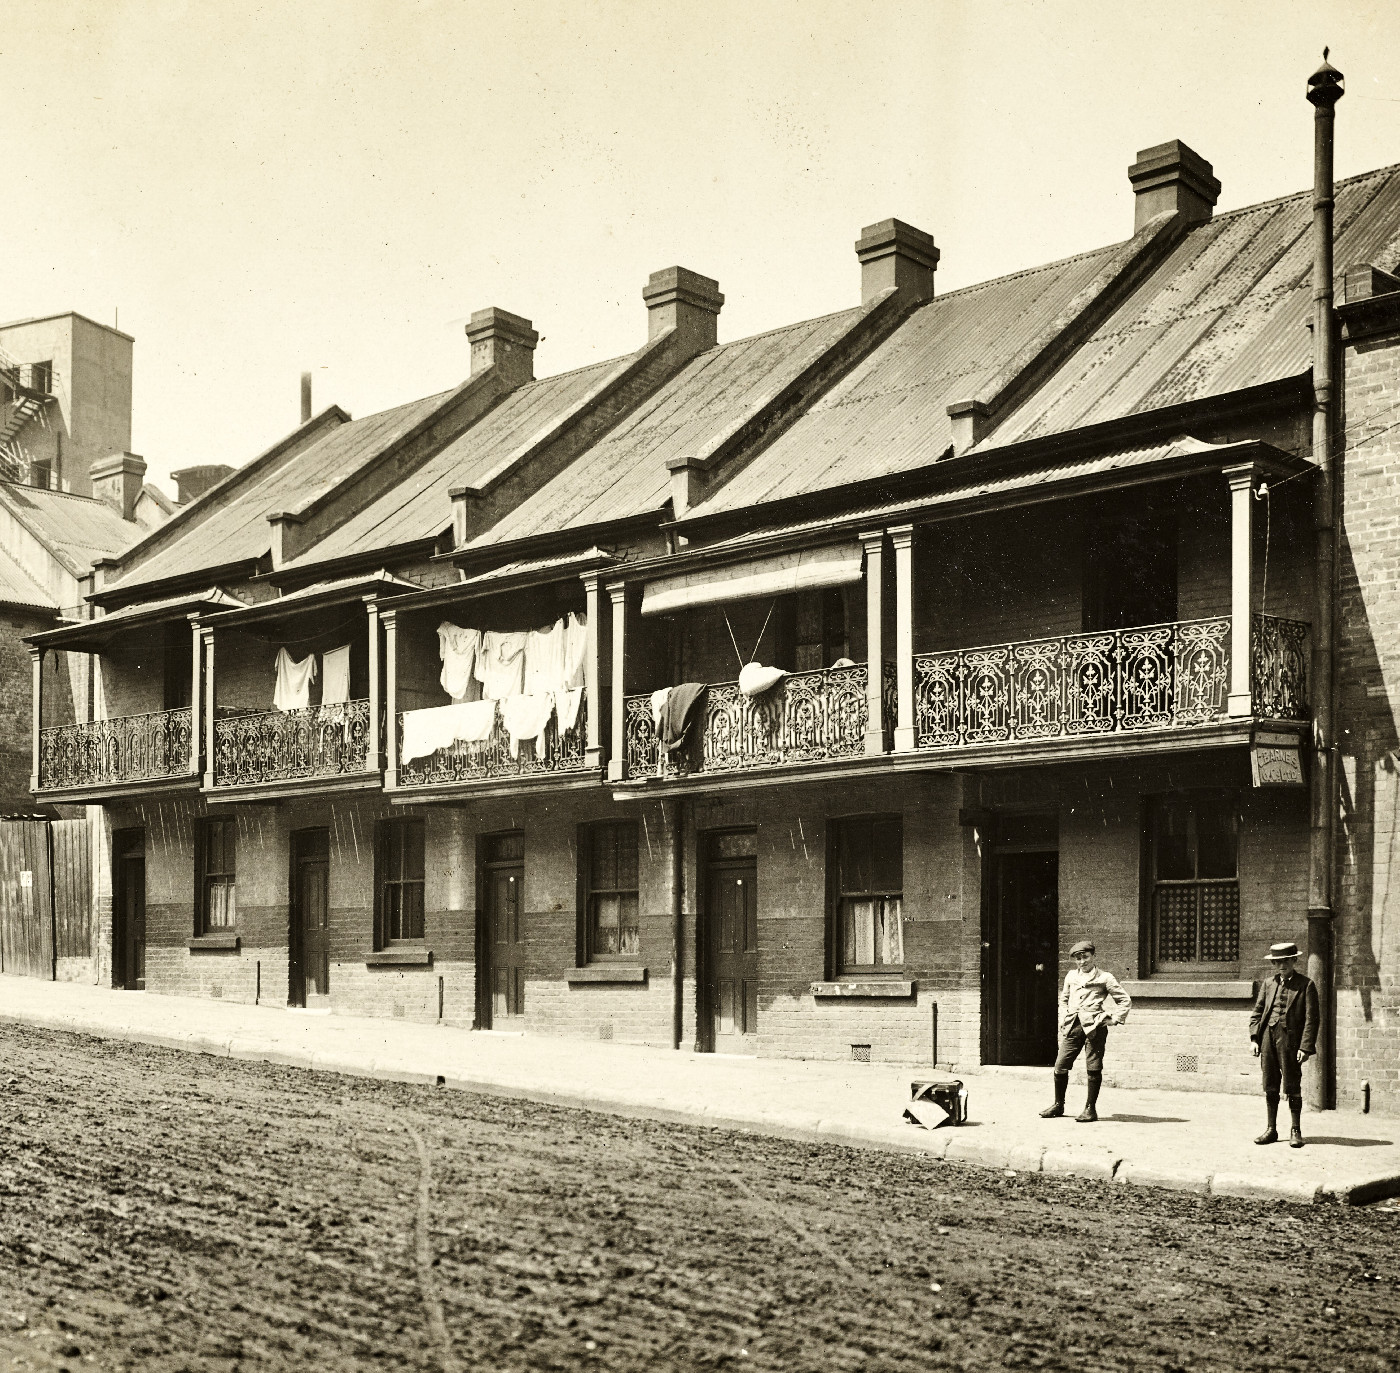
(458, 647)
(566, 704)
(500, 664)
(658, 705)
(293, 688)
(755, 679)
(575, 651)
(335, 676)
(439, 727)
(525, 717)
(544, 660)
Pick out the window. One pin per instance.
(869, 893)
(1193, 842)
(400, 880)
(609, 855)
(217, 898)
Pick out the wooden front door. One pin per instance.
(129, 910)
(501, 974)
(1023, 956)
(309, 961)
(730, 954)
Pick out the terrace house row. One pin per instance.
(806, 694)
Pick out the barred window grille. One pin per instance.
(1195, 883)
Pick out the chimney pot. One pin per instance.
(305, 397)
(118, 481)
(680, 299)
(1172, 177)
(505, 341)
(895, 254)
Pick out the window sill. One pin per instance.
(1160, 989)
(864, 987)
(202, 943)
(608, 972)
(409, 956)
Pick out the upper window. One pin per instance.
(218, 902)
(1193, 842)
(610, 891)
(399, 864)
(869, 893)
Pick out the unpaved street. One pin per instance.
(164, 1211)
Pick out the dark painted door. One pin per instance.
(1025, 960)
(129, 932)
(731, 956)
(310, 960)
(501, 979)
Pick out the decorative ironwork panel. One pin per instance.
(493, 757)
(1150, 677)
(129, 748)
(287, 745)
(1279, 668)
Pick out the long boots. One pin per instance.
(1058, 1109)
(1270, 1136)
(1090, 1113)
(1295, 1109)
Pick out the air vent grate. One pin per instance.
(1187, 1063)
(860, 1053)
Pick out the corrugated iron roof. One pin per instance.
(239, 530)
(99, 630)
(419, 507)
(76, 529)
(18, 588)
(625, 473)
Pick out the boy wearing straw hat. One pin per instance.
(1284, 1030)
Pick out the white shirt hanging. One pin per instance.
(335, 676)
(458, 649)
(293, 688)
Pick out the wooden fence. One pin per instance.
(45, 896)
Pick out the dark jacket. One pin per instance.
(1299, 1011)
(678, 714)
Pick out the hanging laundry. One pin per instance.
(439, 727)
(500, 664)
(575, 651)
(678, 714)
(544, 660)
(754, 680)
(843, 662)
(293, 688)
(458, 647)
(658, 706)
(335, 676)
(566, 704)
(525, 717)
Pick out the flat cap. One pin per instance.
(1084, 946)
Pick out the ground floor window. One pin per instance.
(609, 858)
(1193, 880)
(868, 893)
(218, 902)
(399, 879)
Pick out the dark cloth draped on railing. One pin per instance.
(276, 746)
(807, 717)
(129, 748)
(465, 762)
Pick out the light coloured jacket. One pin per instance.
(1083, 996)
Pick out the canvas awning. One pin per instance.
(807, 569)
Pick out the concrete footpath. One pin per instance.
(1189, 1141)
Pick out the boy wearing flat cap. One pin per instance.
(1084, 1022)
(1284, 1030)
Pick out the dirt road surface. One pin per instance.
(167, 1211)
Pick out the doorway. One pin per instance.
(500, 968)
(728, 1019)
(129, 910)
(1021, 937)
(308, 944)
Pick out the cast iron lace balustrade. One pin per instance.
(808, 717)
(129, 748)
(492, 758)
(1279, 668)
(290, 745)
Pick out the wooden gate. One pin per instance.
(75, 949)
(26, 899)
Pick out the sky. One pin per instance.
(257, 190)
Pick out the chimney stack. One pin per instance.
(895, 254)
(505, 341)
(305, 396)
(192, 482)
(1172, 177)
(118, 481)
(680, 299)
